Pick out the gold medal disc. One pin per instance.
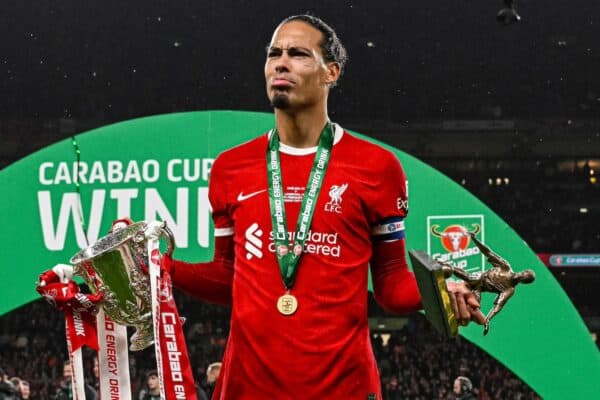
(287, 304)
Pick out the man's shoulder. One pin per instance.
(7, 389)
(241, 156)
(256, 147)
(366, 151)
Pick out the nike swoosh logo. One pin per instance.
(242, 196)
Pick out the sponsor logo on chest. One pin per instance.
(319, 243)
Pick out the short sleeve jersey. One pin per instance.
(323, 350)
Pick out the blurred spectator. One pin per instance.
(64, 391)
(151, 391)
(24, 389)
(392, 389)
(16, 382)
(96, 371)
(212, 374)
(463, 389)
(7, 389)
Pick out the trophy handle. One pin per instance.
(169, 237)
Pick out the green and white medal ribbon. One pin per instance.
(289, 256)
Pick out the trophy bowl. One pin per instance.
(113, 266)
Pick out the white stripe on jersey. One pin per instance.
(224, 231)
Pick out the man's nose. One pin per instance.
(281, 68)
(283, 62)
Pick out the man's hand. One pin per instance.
(154, 229)
(62, 273)
(464, 304)
(58, 288)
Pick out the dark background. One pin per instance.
(441, 80)
(116, 60)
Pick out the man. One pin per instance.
(299, 214)
(21, 386)
(7, 389)
(212, 375)
(393, 390)
(463, 389)
(25, 390)
(96, 371)
(64, 391)
(152, 389)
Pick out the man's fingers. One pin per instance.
(472, 301)
(477, 316)
(454, 306)
(64, 272)
(465, 304)
(454, 300)
(465, 315)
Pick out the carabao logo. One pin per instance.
(449, 240)
(455, 237)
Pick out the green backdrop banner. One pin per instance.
(158, 168)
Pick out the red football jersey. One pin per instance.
(323, 350)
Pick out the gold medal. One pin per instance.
(287, 304)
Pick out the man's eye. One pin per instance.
(273, 53)
(295, 53)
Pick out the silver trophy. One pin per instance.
(114, 267)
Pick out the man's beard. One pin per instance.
(281, 101)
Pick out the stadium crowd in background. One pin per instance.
(34, 348)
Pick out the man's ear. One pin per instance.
(333, 73)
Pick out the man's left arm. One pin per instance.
(395, 287)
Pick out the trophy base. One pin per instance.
(431, 279)
(142, 338)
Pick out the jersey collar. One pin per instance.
(338, 132)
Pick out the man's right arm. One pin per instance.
(208, 281)
(212, 281)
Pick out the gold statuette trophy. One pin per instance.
(431, 278)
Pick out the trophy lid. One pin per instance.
(108, 242)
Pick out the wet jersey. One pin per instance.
(323, 350)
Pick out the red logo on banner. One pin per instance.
(176, 369)
(81, 327)
(155, 257)
(164, 291)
